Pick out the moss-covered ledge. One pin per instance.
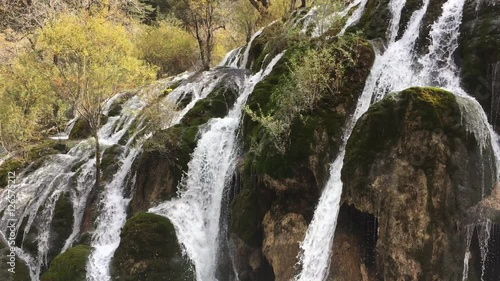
(149, 251)
(291, 181)
(429, 109)
(70, 265)
(30, 157)
(412, 165)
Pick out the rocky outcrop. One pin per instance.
(70, 265)
(479, 55)
(412, 165)
(21, 271)
(280, 190)
(61, 225)
(282, 234)
(149, 251)
(167, 153)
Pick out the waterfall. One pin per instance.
(38, 188)
(246, 54)
(396, 9)
(106, 238)
(484, 235)
(356, 15)
(314, 259)
(37, 193)
(112, 217)
(469, 232)
(196, 213)
(397, 68)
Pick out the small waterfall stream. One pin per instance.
(196, 213)
(397, 68)
(112, 217)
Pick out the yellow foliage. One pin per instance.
(92, 59)
(168, 46)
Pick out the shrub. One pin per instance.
(167, 46)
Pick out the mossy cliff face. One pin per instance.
(32, 157)
(375, 19)
(167, 153)
(149, 251)
(61, 226)
(69, 265)
(479, 55)
(279, 191)
(21, 271)
(411, 164)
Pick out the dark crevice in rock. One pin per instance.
(355, 245)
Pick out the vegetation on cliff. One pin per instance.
(69, 265)
(149, 251)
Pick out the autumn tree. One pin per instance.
(27, 15)
(29, 110)
(202, 18)
(168, 46)
(244, 19)
(91, 59)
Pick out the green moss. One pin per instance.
(149, 251)
(21, 270)
(216, 105)
(247, 211)
(62, 224)
(12, 165)
(69, 265)
(375, 19)
(382, 125)
(316, 135)
(81, 129)
(110, 161)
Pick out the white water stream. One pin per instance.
(395, 69)
(196, 213)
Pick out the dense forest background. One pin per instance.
(60, 58)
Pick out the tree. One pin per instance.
(90, 59)
(244, 19)
(27, 15)
(203, 18)
(28, 108)
(167, 46)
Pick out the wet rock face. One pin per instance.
(279, 191)
(167, 154)
(280, 247)
(21, 269)
(149, 251)
(479, 55)
(411, 164)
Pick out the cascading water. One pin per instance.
(112, 217)
(105, 239)
(37, 193)
(196, 213)
(469, 232)
(39, 189)
(314, 259)
(395, 70)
